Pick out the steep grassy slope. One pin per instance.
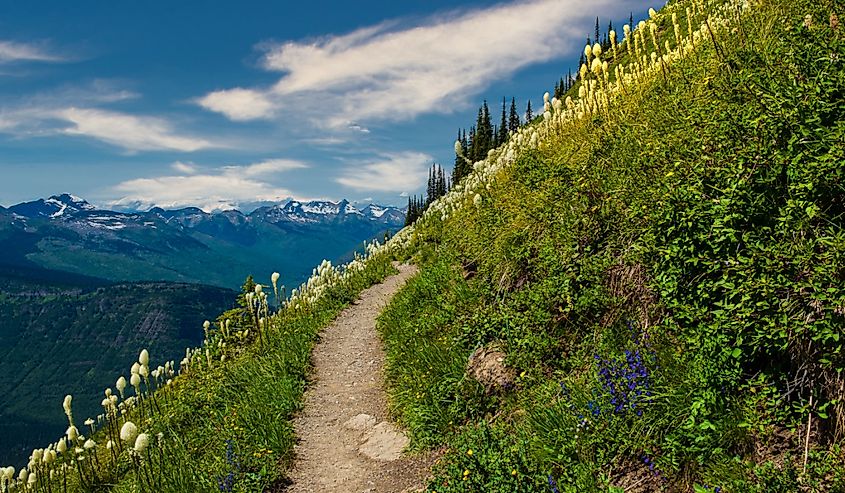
(63, 333)
(219, 420)
(664, 270)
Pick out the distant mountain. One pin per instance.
(53, 207)
(66, 333)
(67, 233)
(82, 290)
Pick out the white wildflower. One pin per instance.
(128, 432)
(141, 443)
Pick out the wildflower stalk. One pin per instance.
(689, 26)
(136, 467)
(93, 470)
(41, 480)
(79, 472)
(713, 38)
(145, 469)
(807, 439)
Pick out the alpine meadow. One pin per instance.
(641, 288)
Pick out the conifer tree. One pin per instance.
(465, 147)
(482, 138)
(503, 126)
(513, 119)
(431, 190)
(472, 151)
(459, 160)
(598, 31)
(409, 212)
(486, 128)
(477, 136)
(441, 182)
(529, 114)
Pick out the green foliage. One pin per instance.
(697, 224)
(487, 458)
(424, 362)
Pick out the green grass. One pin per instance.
(698, 221)
(224, 424)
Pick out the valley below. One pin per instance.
(83, 290)
(66, 334)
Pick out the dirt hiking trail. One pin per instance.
(346, 442)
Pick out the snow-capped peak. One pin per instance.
(375, 210)
(65, 201)
(53, 207)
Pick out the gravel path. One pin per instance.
(346, 442)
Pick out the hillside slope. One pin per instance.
(660, 264)
(63, 333)
(218, 420)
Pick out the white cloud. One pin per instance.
(11, 51)
(269, 167)
(396, 172)
(325, 141)
(358, 128)
(385, 72)
(184, 168)
(238, 104)
(77, 110)
(222, 188)
(133, 133)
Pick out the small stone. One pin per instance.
(384, 442)
(486, 365)
(360, 422)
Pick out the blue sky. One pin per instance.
(232, 104)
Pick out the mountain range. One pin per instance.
(66, 233)
(82, 290)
